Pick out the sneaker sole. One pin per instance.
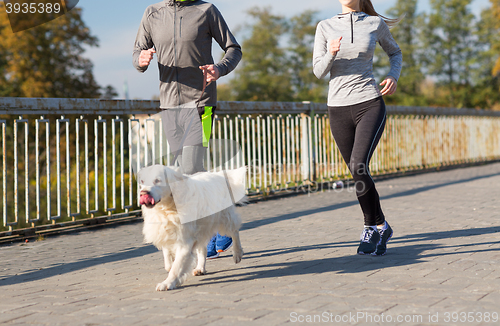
(367, 253)
(220, 250)
(375, 252)
(213, 257)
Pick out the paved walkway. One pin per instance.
(442, 268)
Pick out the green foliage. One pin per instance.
(271, 71)
(450, 58)
(406, 34)
(305, 86)
(486, 83)
(495, 11)
(46, 61)
(450, 47)
(262, 74)
(448, 55)
(225, 93)
(109, 93)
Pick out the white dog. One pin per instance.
(181, 213)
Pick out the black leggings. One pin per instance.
(357, 130)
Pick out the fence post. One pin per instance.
(307, 155)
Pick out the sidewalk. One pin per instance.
(442, 267)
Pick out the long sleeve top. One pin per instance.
(182, 33)
(351, 69)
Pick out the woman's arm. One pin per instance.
(322, 56)
(392, 49)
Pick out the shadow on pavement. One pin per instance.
(408, 253)
(439, 185)
(293, 215)
(36, 275)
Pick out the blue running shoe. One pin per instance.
(211, 252)
(385, 236)
(223, 243)
(369, 240)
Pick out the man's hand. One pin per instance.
(212, 73)
(145, 57)
(335, 46)
(390, 86)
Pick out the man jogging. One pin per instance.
(180, 32)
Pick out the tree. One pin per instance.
(406, 34)
(224, 92)
(46, 61)
(447, 38)
(109, 93)
(486, 93)
(263, 73)
(305, 86)
(495, 9)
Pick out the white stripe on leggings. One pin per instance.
(371, 147)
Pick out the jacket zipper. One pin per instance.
(180, 27)
(175, 56)
(352, 30)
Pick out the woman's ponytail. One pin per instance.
(366, 6)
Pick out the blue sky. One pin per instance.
(115, 23)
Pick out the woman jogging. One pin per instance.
(344, 47)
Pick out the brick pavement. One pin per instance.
(299, 264)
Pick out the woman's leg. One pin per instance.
(370, 118)
(357, 130)
(343, 128)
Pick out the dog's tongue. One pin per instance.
(146, 199)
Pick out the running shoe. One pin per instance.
(223, 243)
(211, 252)
(385, 236)
(369, 240)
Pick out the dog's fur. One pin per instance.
(197, 194)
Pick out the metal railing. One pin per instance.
(71, 161)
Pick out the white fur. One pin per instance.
(196, 194)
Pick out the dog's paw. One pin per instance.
(161, 287)
(237, 257)
(199, 272)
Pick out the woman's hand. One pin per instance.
(390, 86)
(335, 46)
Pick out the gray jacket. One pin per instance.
(351, 70)
(181, 33)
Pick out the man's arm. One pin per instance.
(143, 47)
(223, 36)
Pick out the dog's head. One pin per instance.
(153, 185)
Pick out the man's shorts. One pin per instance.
(182, 127)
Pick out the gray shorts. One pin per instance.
(182, 127)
